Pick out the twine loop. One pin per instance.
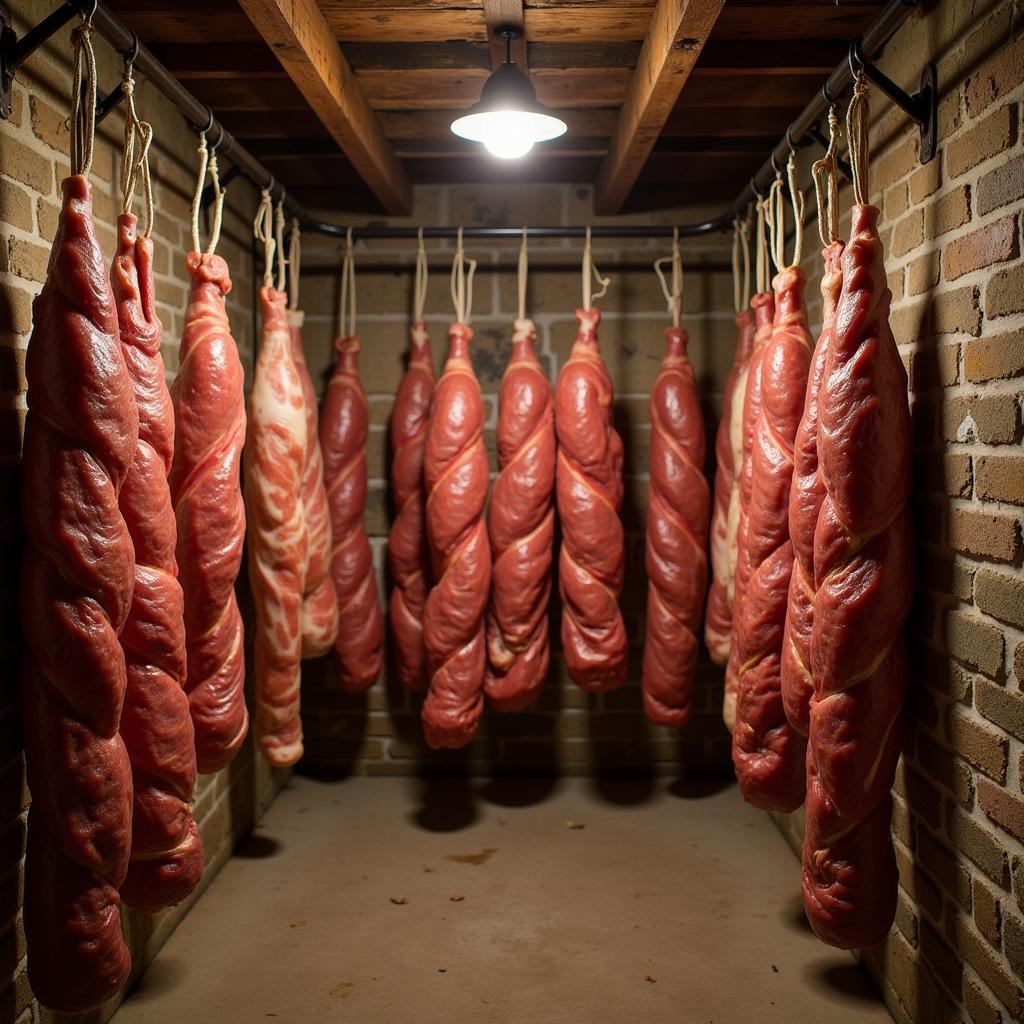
(419, 289)
(83, 99)
(138, 136)
(826, 185)
(521, 272)
(294, 263)
(673, 292)
(462, 282)
(263, 231)
(590, 271)
(347, 292)
(857, 115)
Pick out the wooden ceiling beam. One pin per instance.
(498, 13)
(677, 33)
(298, 34)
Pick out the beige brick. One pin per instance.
(12, 369)
(986, 534)
(15, 206)
(1000, 706)
(923, 273)
(28, 260)
(988, 965)
(979, 1004)
(1004, 809)
(1001, 186)
(987, 138)
(15, 308)
(1004, 292)
(956, 311)
(936, 473)
(1001, 596)
(48, 214)
(984, 747)
(925, 181)
(948, 212)
(1013, 936)
(979, 843)
(896, 202)
(987, 912)
(912, 323)
(27, 166)
(897, 162)
(996, 358)
(992, 418)
(1000, 477)
(49, 125)
(1003, 72)
(908, 233)
(950, 771)
(994, 243)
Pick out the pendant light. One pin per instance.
(508, 118)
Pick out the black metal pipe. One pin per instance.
(36, 36)
(557, 231)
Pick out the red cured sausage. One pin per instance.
(806, 496)
(521, 526)
(725, 521)
(408, 547)
(678, 510)
(167, 854)
(343, 428)
(209, 432)
(768, 753)
(589, 489)
(764, 311)
(864, 570)
(319, 601)
(275, 460)
(456, 473)
(77, 577)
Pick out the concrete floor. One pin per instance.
(381, 901)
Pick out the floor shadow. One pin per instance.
(259, 847)
(793, 916)
(701, 787)
(518, 790)
(162, 976)
(847, 979)
(446, 803)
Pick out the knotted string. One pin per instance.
(347, 293)
(419, 288)
(279, 244)
(674, 292)
(797, 198)
(83, 99)
(762, 244)
(826, 185)
(777, 222)
(521, 272)
(462, 283)
(857, 134)
(740, 246)
(208, 161)
(138, 136)
(294, 263)
(590, 271)
(263, 231)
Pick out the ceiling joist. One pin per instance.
(677, 33)
(299, 36)
(499, 14)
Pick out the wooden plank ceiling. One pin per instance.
(349, 127)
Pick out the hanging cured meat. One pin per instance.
(408, 548)
(167, 854)
(589, 489)
(343, 427)
(76, 587)
(863, 564)
(319, 600)
(763, 304)
(806, 496)
(767, 752)
(456, 473)
(678, 510)
(275, 458)
(209, 432)
(725, 521)
(521, 526)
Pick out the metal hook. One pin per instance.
(220, 138)
(855, 55)
(87, 18)
(133, 51)
(775, 166)
(753, 188)
(789, 141)
(829, 99)
(273, 182)
(209, 123)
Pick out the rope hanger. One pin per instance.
(263, 231)
(294, 262)
(740, 246)
(590, 271)
(419, 288)
(857, 115)
(825, 173)
(138, 136)
(674, 292)
(347, 292)
(208, 161)
(83, 99)
(462, 283)
(522, 269)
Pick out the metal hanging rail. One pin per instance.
(803, 131)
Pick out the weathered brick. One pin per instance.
(1001, 186)
(15, 206)
(1003, 808)
(943, 474)
(1004, 292)
(994, 243)
(1000, 706)
(946, 768)
(948, 212)
(988, 137)
(15, 308)
(979, 1004)
(48, 214)
(979, 844)
(1000, 477)
(944, 867)
(1000, 595)
(27, 260)
(992, 418)
(49, 125)
(1018, 663)
(925, 181)
(956, 311)
(923, 273)
(988, 964)
(995, 78)
(895, 201)
(947, 964)
(27, 166)
(987, 912)
(985, 748)
(908, 233)
(995, 358)
(12, 369)
(924, 892)
(987, 534)
(1014, 935)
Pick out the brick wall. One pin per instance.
(952, 233)
(567, 730)
(33, 160)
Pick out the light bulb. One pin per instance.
(508, 145)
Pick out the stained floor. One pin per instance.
(404, 901)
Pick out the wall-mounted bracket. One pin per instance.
(922, 107)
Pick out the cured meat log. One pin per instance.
(521, 526)
(678, 510)
(806, 495)
(588, 484)
(764, 312)
(456, 473)
(275, 459)
(408, 548)
(767, 752)
(343, 427)
(77, 576)
(319, 600)
(209, 432)
(864, 568)
(725, 520)
(167, 853)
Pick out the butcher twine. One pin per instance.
(294, 263)
(826, 185)
(740, 246)
(83, 91)
(462, 282)
(521, 273)
(135, 164)
(419, 290)
(208, 162)
(590, 270)
(279, 244)
(857, 134)
(761, 242)
(263, 231)
(674, 292)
